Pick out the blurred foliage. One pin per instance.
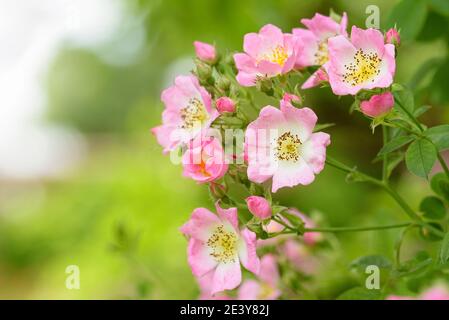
(117, 215)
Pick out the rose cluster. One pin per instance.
(223, 138)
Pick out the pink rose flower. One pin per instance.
(365, 62)
(378, 105)
(300, 256)
(204, 160)
(188, 111)
(392, 36)
(436, 293)
(205, 51)
(217, 246)
(281, 145)
(267, 54)
(225, 104)
(314, 40)
(259, 207)
(266, 287)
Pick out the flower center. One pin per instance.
(193, 114)
(322, 54)
(364, 68)
(202, 167)
(223, 245)
(287, 147)
(277, 55)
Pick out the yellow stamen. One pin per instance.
(223, 245)
(277, 55)
(288, 147)
(364, 68)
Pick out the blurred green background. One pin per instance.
(116, 213)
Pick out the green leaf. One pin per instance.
(295, 221)
(322, 126)
(444, 250)
(406, 101)
(419, 264)
(409, 16)
(439, 136)
(440, 6)
(393, 161)
(444, 188)
(235, 191)
(395, 144)
(433, 208)
(420, 157)
(360, 293)
(421, 110)
(435, 183)
(376, 260)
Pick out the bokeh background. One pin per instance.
(82, 180)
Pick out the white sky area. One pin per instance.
(31, 33)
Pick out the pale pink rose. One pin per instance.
(266, 287)
(300, 256)
(205, 51)
(364, 62)
(281, 145)
(392, 36)
(217, 245)
(314, 40)
(259, 207)
(267, 54)
(225, 104)
(436, 293)
(378, 105)
(188, 111)
(204, 160)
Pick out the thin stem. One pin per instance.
(409, 211)
(385, 156)
(411, 116)
(284, 224)
(358, 229)
(443, 164)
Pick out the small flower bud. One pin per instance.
(205, 52)
(392, 36)
(225, 104)
(259, 207)
(378, 105)
(204, 71)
